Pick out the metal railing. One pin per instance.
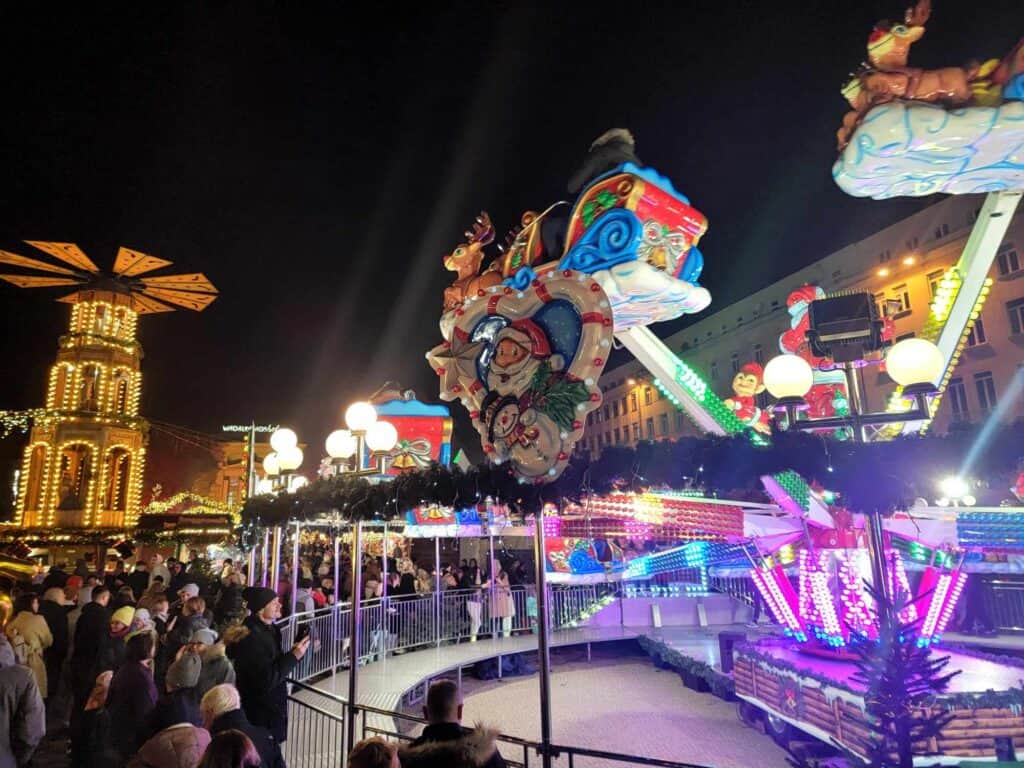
(1004, 602)
(409, 622)
(316, 736)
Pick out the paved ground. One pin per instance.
(622, 703)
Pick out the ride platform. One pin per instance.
(819, 697)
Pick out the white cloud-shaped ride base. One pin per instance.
(641, 294)
(912, 149)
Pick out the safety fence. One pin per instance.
(1004, 602)
(408, 622)
(317, 736)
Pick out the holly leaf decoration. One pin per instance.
(557, 396)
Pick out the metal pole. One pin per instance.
(275, 566)
(252, 564)
(856, 401)
(544, 666)
(336, 624)
(251, 479)
(876, 550)
(295, 571)
(355, 631)
(490, 580)
(437, 589)
(263, 558)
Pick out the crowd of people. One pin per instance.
(165, 666)
(174, 664)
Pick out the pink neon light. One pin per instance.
(857, 611)
(768, 595)
(934, 608)
(959, 579)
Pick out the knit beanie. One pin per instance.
(124, 614)
(258, 597)
(184, 673)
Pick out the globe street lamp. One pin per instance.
(914, 364)
(364, 432)
(281, 463)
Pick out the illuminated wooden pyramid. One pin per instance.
(84, 463)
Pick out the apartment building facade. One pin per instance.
(901, 266)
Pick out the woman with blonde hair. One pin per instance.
(30, 636)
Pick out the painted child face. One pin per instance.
(746, 384)
(509, 353)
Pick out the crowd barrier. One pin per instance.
(408, 622)
(317, 736)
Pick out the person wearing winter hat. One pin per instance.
(141, 622)
(112, 654)
(261, 665)
(217, 667)
(180, 697)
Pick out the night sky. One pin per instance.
(316, 161)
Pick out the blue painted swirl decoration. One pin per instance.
(612, 239)
(521, 280)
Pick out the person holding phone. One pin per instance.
(262, 666)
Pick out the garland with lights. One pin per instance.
(866, 477)
(201, 505)
(20, 421)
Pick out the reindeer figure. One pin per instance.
(465, 261)
(891, 78)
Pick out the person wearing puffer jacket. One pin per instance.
(217, 667)
(22, 713)
(178, 743)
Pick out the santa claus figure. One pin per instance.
(519, 351)
(747, 384)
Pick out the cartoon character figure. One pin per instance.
(747, 384)
(531, 403)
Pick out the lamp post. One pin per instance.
(914, 364)
(364, 432)
(280, 464)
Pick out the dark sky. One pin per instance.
(316, 161)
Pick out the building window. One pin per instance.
(714, 371)
(648, 396)
(607, 414)
(663, 424)
(1009, 263)
(607, 438)
(734, 363)
(679, 420)
(758, 354)
(977, 334)
(1015, 309)
(934, 278)
(623, 406)
(636, 431)
(632, 401)
(986, 391)
(650, 427)
(618, 436)
(600, 442)
(897, 301)
(941, 232)
(615, 408)
(911, 243)
(958, 399)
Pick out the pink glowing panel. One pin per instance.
(778, 593)
(898, 582)
(959, 579)
(858, 612)
(931, 619)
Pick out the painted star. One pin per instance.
(455, 364)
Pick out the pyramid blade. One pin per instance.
(25, 261)
(196, 301)
(71, 298)
(130, 263)
(31, 281)
(195, 281)
(66, 252)
(147, 306)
